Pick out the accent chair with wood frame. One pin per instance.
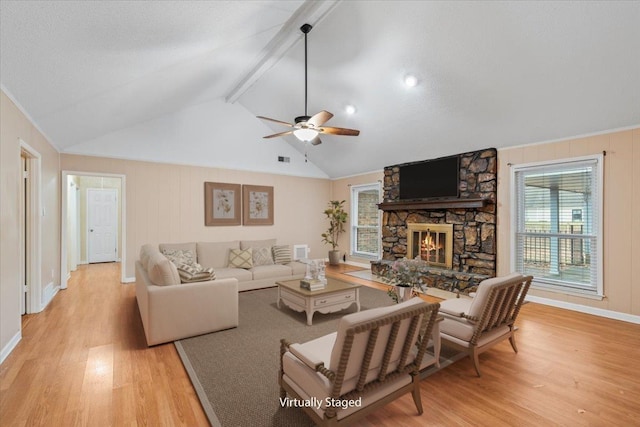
(476, 324)
(372, 359)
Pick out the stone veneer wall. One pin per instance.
(474, 239)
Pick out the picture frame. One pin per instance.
(257, 205)
(222, 204)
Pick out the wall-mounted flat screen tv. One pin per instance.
(437, 178)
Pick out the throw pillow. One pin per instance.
(239, 258)
(178, 257)
(262, 256)
(282, 254)
(195, 273)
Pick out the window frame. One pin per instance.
(355, 189)
(597, 289)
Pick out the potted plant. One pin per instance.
(337, 219)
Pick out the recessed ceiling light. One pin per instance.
(350, 109)
(410, 80)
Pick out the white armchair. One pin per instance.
(371, 360)
(476, 324)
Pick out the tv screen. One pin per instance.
(430, 179)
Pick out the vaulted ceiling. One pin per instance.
(183, 81)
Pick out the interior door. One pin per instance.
(102, 221)
(24, 233)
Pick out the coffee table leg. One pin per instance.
(278, 302)
(309, 317)
(358, 298)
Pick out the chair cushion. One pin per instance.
(215, 254)
(484, 288)
(455, 306)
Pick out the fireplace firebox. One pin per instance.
(432, 243)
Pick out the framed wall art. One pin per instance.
(257, 205)
(222, 203)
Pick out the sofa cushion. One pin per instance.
(269, 271)
(215, 254)
(241, 258)
(180, 256)
(240, 274)
(281, 254)
(297, 268)
(266, 243)
(145, 252)
(262, 256)
(191, 246)
(162, 272)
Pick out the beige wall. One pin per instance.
(341, 190)
(165, 203)
(621, 213)
(14, 126)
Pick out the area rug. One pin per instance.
(235, 372)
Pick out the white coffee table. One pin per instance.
(337, 295)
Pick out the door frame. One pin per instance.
(122, 219)
(87, 229)
(34, 225)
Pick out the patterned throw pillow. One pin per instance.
(262, 256)
(282, 254)
(180, 256)
(195, 273)
(239, 258)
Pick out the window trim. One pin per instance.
(598, 292)
(354, 214)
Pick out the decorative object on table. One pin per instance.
(337, 219)
(221, 203)
(257, 204)
(315, 275)
(405, 277)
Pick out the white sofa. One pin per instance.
(171, 310)
(216, 255)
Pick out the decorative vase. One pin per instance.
(404, 292)
(334, 257)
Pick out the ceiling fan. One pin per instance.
(308, 128)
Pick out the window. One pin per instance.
(557, 224)
(365, 221)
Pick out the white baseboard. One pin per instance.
(13, 342)
(129, 280)
(610, 314)
(48, 293)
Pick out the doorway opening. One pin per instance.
(93, 229)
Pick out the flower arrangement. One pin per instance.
(405, 273)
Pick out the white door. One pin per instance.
(102, 221)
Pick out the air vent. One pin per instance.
(284, 159)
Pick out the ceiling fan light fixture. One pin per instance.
(410, 80)
(305, 134)
(350, 109)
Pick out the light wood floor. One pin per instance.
(84, 361)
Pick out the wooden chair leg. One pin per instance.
(476, 360)
(512, 340)
(416, 394)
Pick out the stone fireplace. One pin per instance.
(471, 218)
(431, 242)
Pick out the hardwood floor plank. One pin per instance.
(84, 361)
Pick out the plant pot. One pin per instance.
(404, 292)
(334, 257)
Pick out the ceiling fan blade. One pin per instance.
(289, 132)
(316, 141)
(275, 121)
(319, 119)
(339, 131)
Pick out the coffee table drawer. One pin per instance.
(335, 299)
